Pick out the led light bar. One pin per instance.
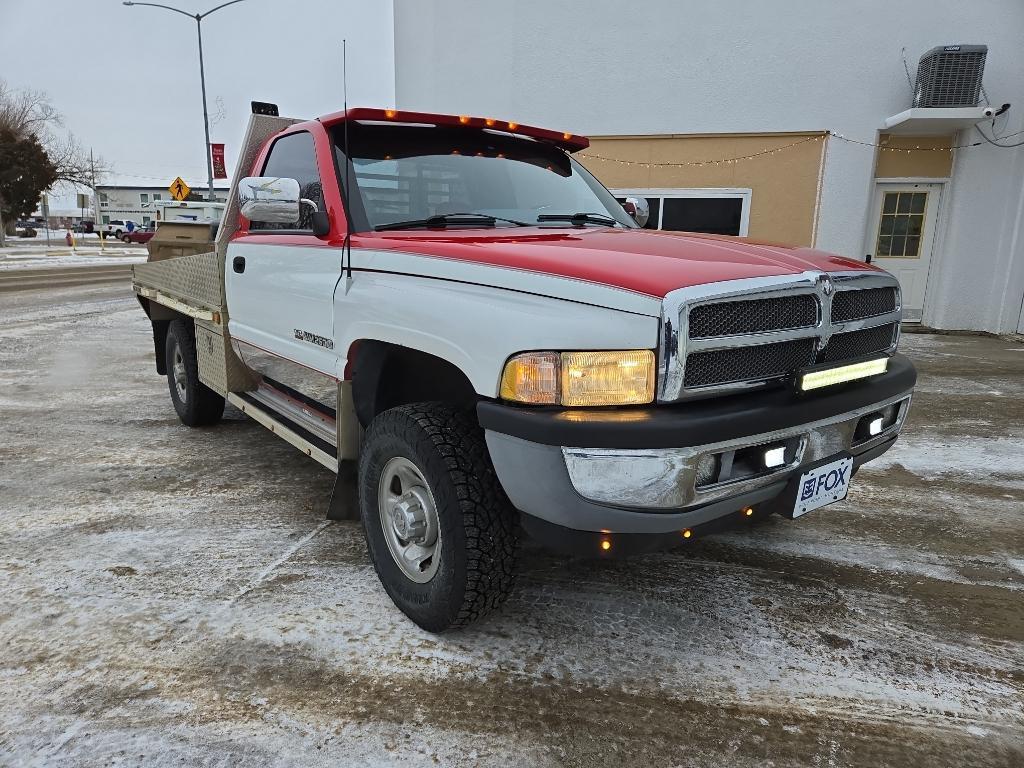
(844, 373)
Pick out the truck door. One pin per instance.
(280, 281)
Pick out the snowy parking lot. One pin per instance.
(175, 597)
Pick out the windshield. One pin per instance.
(406, 173)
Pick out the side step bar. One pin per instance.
(282, 426)
(298, 409)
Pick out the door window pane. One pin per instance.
(901, 224)
(293, 157)
(714, 215)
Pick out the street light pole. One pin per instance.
(206, 114)
(202, 76)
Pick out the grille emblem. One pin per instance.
(825, 283)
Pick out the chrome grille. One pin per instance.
(751, 332)
(854, 344)
(867, 302)
(730, 318)
(764, 361)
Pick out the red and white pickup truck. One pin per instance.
(461, 308)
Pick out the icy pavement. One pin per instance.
(174, 597)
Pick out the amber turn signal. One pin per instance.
(624, 377)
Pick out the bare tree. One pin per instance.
(27, 112)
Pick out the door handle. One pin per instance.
(238, 264)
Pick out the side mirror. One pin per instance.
(268, 199)
(638, 208)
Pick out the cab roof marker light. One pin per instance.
(842, 374)
(568, 141)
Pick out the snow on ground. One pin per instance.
(15, 258)
(174, 597)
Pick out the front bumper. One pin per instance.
(639, 470)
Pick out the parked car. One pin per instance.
(140, 235)
(25, 228)
(507, 350)
(83, 227)
(117, 228)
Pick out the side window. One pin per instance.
(293, 157)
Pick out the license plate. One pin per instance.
(823, 485)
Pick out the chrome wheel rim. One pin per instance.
(180, 377)
(408, 517)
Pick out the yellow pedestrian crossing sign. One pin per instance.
(179, 189)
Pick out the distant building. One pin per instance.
(136, 202)
(63, 218)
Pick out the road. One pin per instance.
(175, 597)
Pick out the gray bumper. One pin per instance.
(657, 490)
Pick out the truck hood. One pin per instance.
(648, 262)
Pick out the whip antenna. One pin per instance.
(347, 245)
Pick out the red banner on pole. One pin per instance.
(217, 150)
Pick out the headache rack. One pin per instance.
(743, 334)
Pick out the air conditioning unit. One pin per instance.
(950, 76)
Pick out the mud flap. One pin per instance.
(344, 504)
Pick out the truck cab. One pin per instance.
(456, 317)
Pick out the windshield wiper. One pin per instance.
(579, 219)
(444, 219)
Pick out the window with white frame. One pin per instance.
(144, 197)
(714, 210)
(156, 196)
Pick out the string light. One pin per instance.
(774, 150)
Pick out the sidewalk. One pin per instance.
(35, 257)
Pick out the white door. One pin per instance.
(900, 238)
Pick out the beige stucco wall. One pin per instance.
(784, 185)
(937, 164)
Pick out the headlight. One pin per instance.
(580, 378)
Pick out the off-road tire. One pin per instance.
(200, 406)
(477, 524)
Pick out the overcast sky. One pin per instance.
(127, 79)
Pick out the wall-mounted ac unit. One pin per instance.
(950, 76)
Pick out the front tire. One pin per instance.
(196, 404)
(440, 530)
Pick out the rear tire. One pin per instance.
(450, 560)
(196, 404)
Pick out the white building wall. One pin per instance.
(705, 66)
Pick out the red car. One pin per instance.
(140, 235)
